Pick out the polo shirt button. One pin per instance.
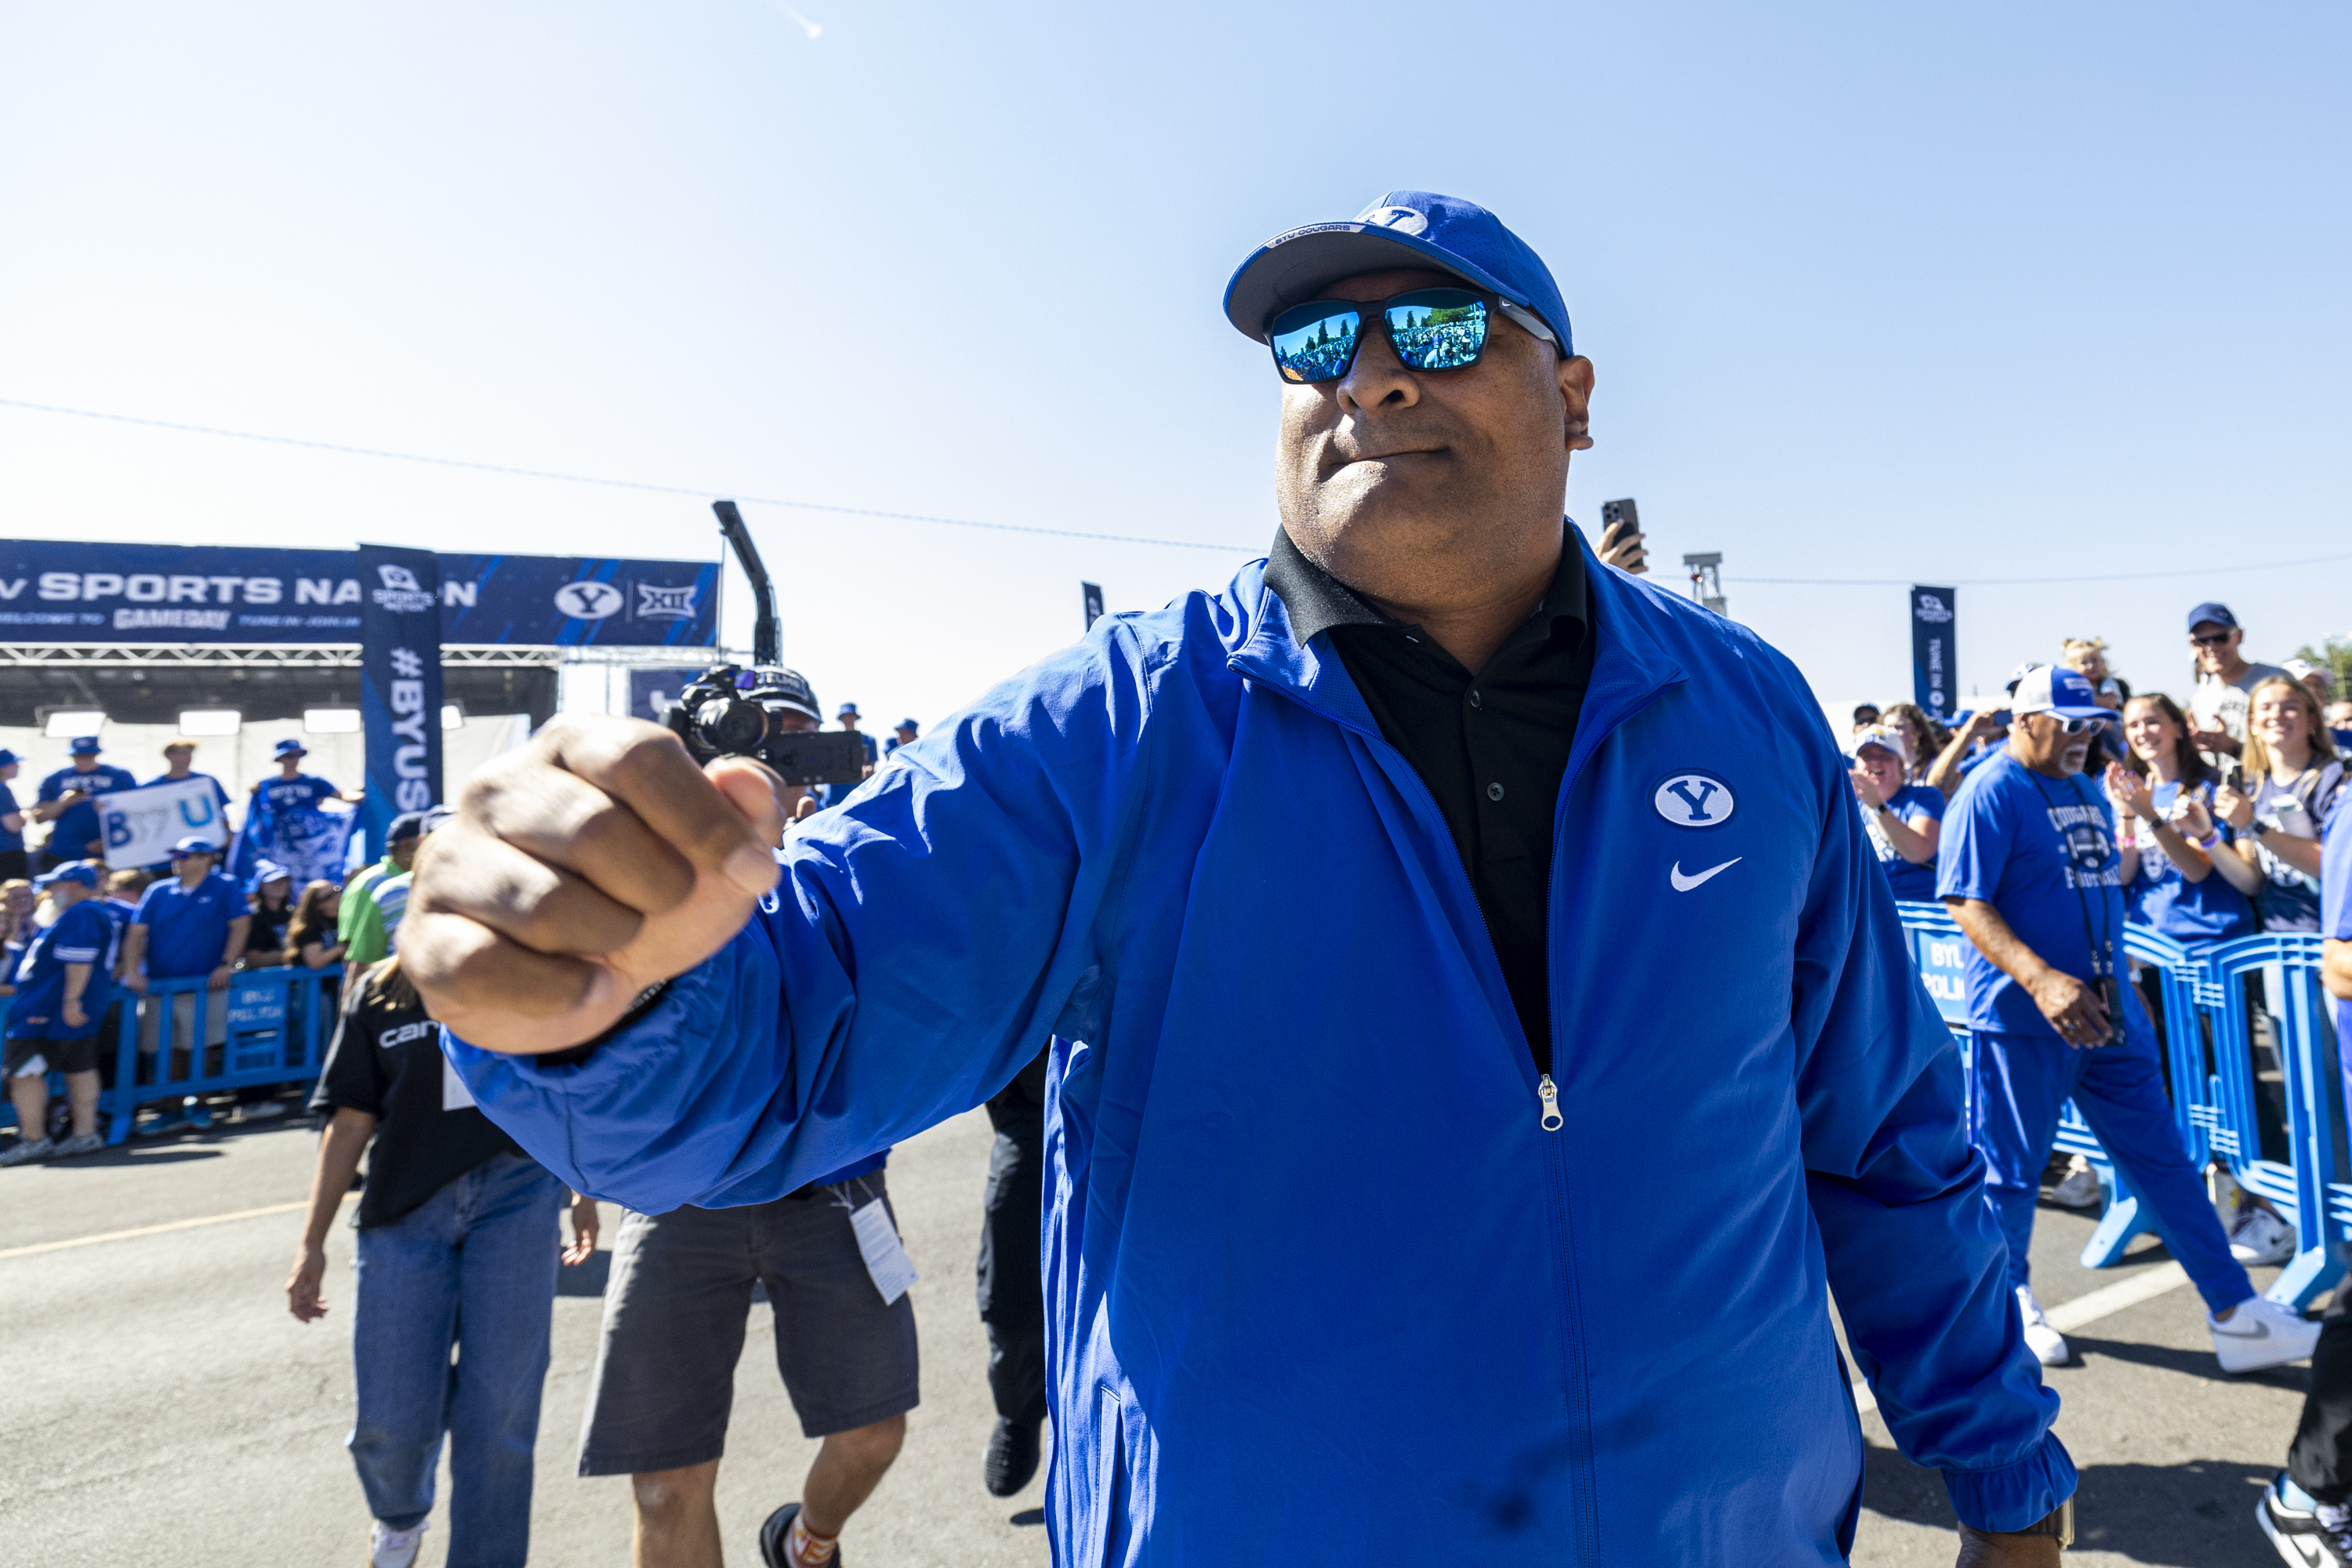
(1494, 792)
(1474, 700)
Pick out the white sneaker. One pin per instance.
(24, 1153)
(2080, 1190)
(2048, 1346)
(2260, 1238)
(2262, 1333)
(389, 1548)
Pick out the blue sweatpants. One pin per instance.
(2020, 1083)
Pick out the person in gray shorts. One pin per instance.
(675, 1311)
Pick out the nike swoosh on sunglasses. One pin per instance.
(1430, 329)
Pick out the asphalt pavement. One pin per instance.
(158, 1406)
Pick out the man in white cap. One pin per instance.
(2028, 866)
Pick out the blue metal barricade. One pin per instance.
(2310, 1190)
(278, 1024)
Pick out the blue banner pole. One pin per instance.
(400, 684)
(1934, 661)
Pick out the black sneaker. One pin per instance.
(775, 1535)
(2298, 1534)
(1012, 1458)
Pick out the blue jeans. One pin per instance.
(2022, 1080)
(472, 1268)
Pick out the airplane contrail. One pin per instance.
(813, 29)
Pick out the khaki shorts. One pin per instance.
(184, 1019)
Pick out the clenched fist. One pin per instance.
(578, 871)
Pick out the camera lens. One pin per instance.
(730, 724)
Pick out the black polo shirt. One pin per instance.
(1492, 747)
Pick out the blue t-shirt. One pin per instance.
(8, 805)
(187, 928)
(2161, 898)
(71, 835)
(303, 792)
(1912, 805)
(81, 935)
(2041, 852)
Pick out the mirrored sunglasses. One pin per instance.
(1429, 329)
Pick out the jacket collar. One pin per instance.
(1629, 665)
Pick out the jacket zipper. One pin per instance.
(1577, 1373)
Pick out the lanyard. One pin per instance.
(2102, 951)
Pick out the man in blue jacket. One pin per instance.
(62, 990)
(1398, 912)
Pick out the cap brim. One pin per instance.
(2072, 712)
(1292, 269)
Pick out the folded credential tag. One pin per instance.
(887, 1263)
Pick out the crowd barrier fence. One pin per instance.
(2205, 1007)
(279, 1022)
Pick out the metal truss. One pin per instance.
(279, 655)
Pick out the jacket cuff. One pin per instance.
(2013, 1496)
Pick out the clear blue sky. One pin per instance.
(1927, 293)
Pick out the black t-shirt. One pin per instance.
(265, 937)
(387, 1061)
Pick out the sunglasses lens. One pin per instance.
(1315, 342)
(1438, 329)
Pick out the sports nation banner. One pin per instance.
(139, 827)
(1933, 641)
(400, 684)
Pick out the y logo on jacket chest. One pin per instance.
(1694, 798)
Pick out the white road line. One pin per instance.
(2068, 1316)
(152, 1229)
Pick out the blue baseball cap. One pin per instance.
(2055, 688)
(290, 747)
(848, 710)
(268, 871)
(8, 756)
(909, 724)
(2218, 613)
(1403, 228)
(194, 844)
(81, 871)
(84, 746)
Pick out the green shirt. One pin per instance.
(360, 924)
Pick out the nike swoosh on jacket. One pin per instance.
(1309, 1251)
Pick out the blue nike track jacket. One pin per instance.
(1316, 1272)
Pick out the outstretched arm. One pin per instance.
(920, 944)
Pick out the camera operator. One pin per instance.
(674, 1322)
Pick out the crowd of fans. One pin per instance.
(2215, 801)
(2218, 801)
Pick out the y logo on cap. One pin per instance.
(1404, 220)
(1694, 799)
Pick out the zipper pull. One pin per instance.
(1548, 1093)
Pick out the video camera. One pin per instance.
(732, 711)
